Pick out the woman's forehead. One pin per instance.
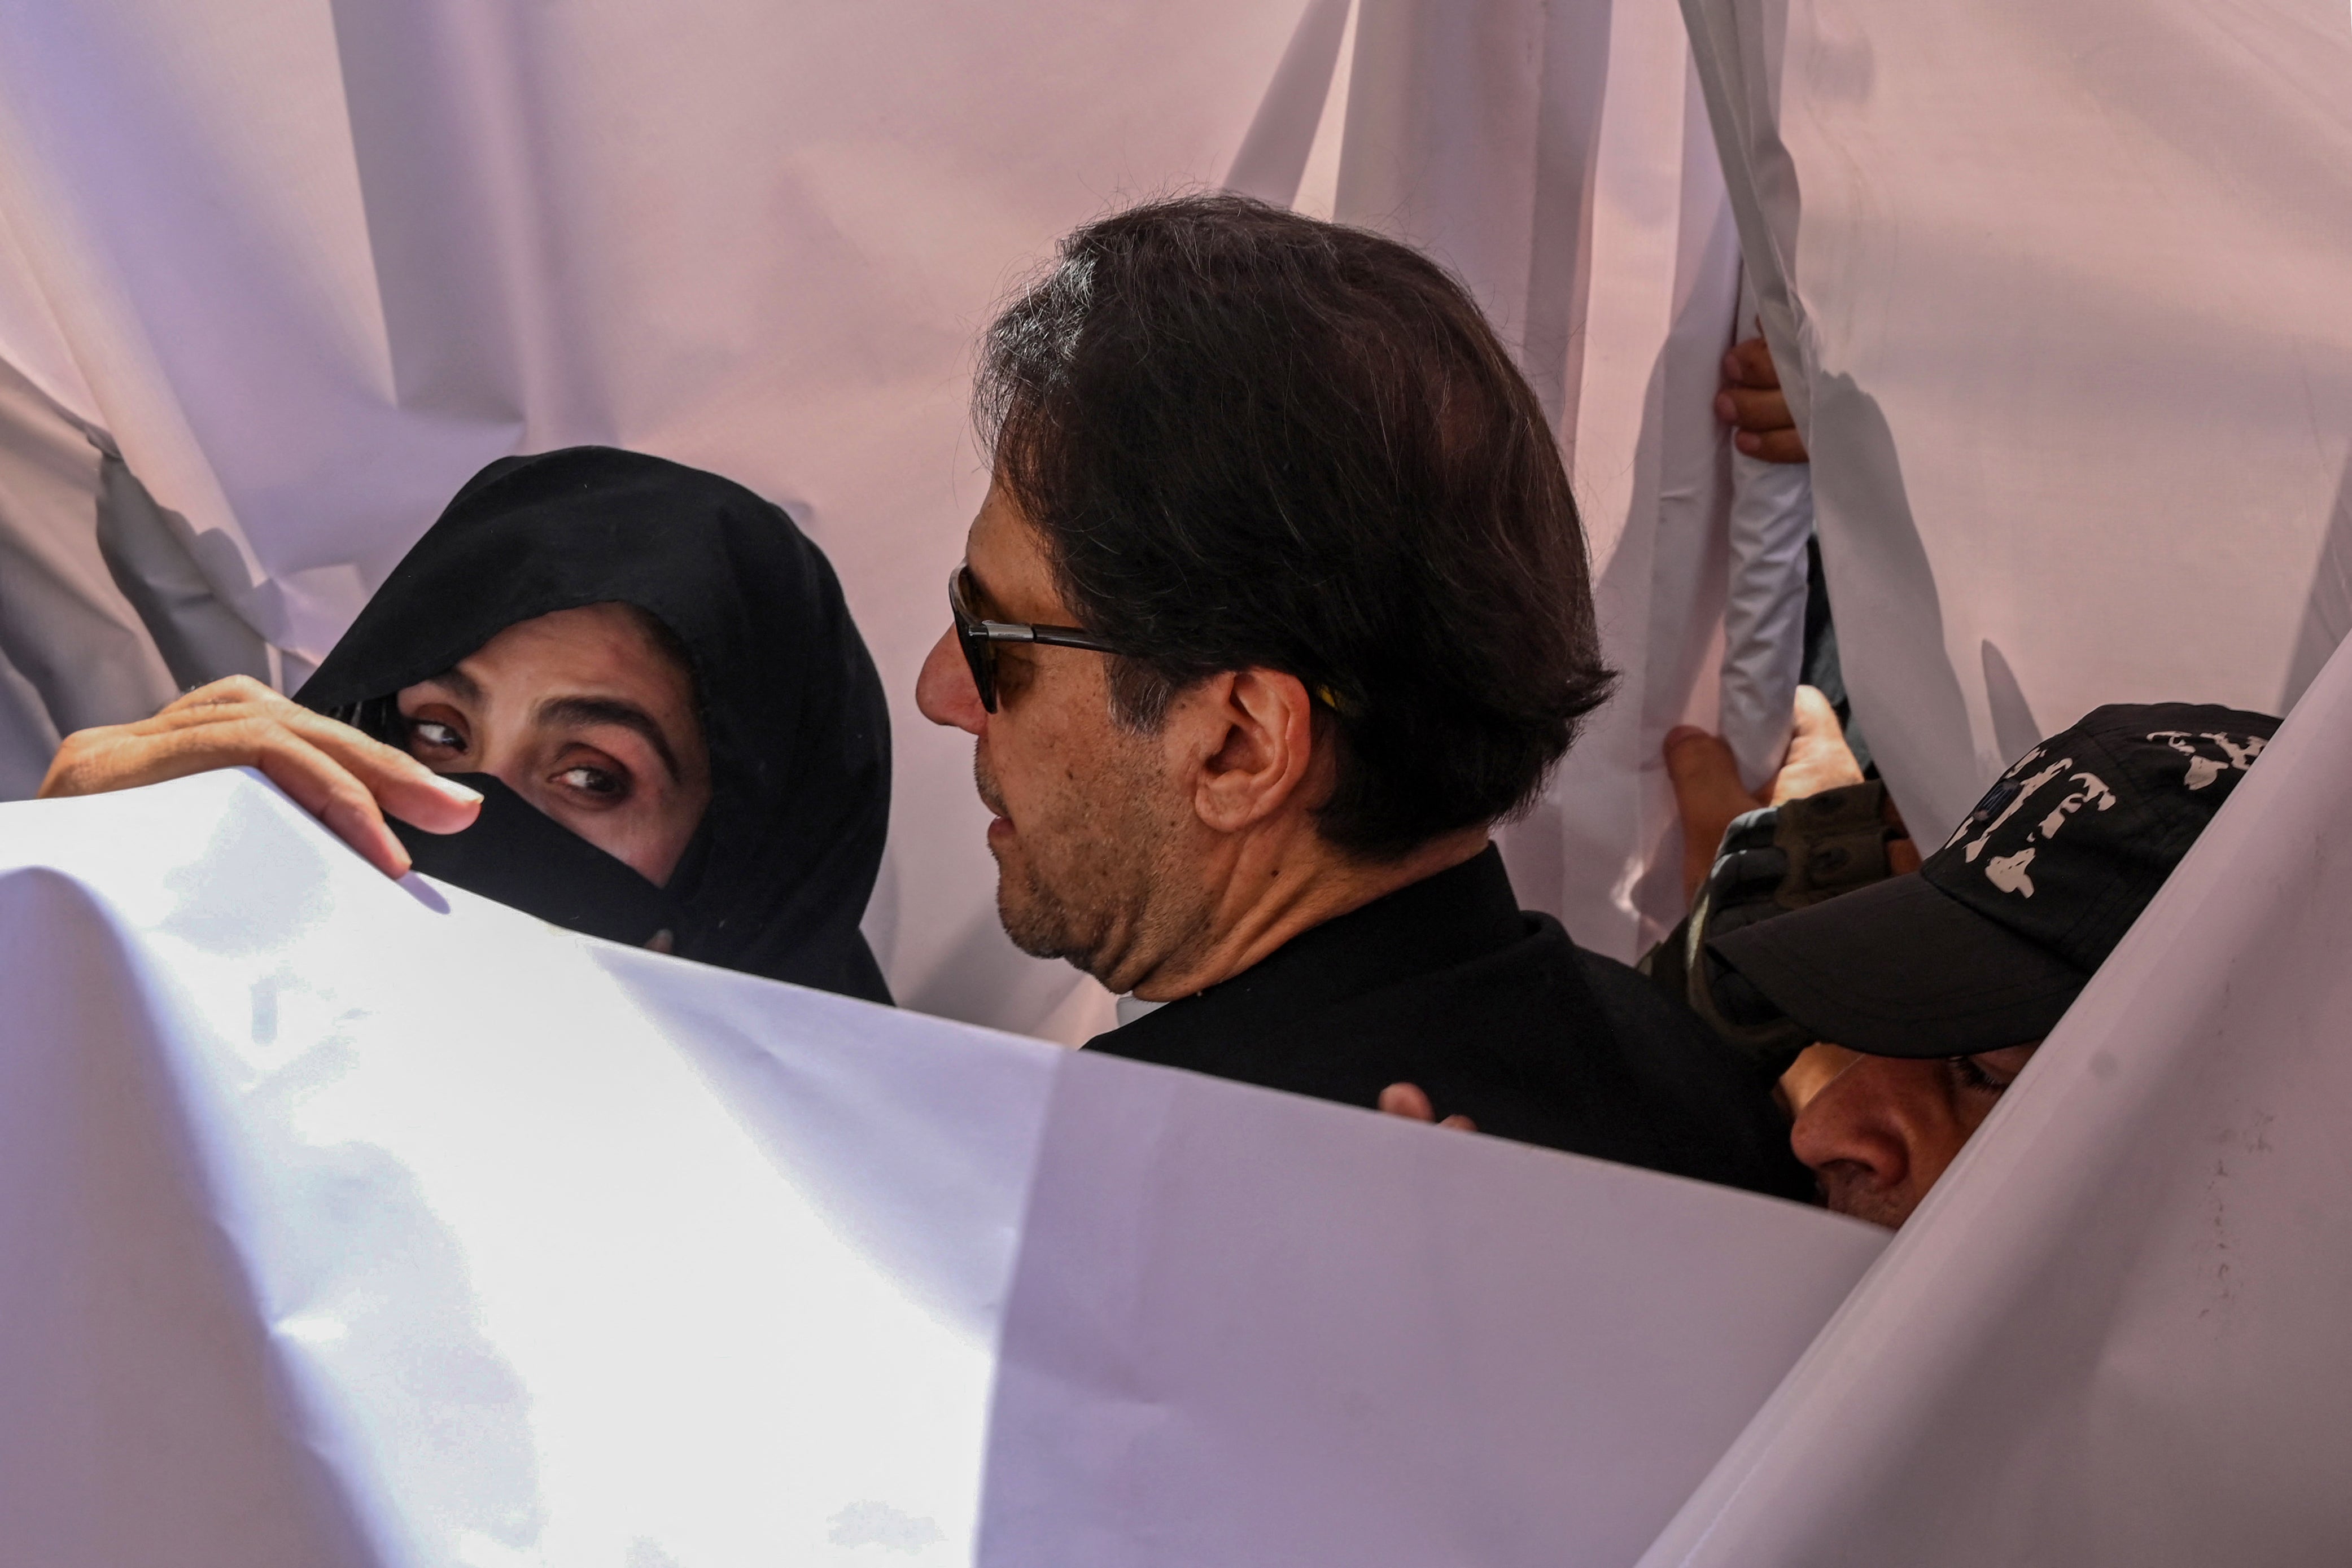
(589, 636)
(607, 649)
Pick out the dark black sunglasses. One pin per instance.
(979, 638)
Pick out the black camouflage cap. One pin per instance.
(1990, 940)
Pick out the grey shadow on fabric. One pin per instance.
(1560, 247)
(2014, 728)
(1406, 174)
(369, 1275)
(72, 653)
(1501, 196)
(1906, 695)
(158, 562)
(2327, 607)
(425, 892)
(1663, 584)
(456, 235)
(123, 1278)
(1272, 158)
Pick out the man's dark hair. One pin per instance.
(1251, 438)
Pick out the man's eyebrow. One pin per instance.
(983, 601)
(608, 710)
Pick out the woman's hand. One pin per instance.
(337, 775)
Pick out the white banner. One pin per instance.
(355, 1222)
(2113, 1334)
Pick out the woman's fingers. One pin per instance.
(325, 789)
(226, 690)
(401, 785)
(341, 777)
(125, 756)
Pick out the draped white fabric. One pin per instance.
(348, 1222)
(305, 264)
(309, 264)
(2114, 1331)
(418, 1257)
(2058, 291)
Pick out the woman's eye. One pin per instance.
(433, 733)
(592, 781)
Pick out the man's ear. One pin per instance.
(1260, 746)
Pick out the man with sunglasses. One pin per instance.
(1278, 603)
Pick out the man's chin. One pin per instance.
(1032, 926)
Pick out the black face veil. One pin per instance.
(779, 869)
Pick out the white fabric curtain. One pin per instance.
(347, 1224)
(2058, 293)
(1557, 158)
(2113, 1334)
(304, 265)
(307, 265)
(2058, 290)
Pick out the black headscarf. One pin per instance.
(779, 872)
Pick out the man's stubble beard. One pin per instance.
(1848, 1193)
(1109, 886)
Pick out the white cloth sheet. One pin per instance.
(354, 1222)
(2113, 1334)
(2058, 293)
(307, 263)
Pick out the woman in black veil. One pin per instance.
(647, 673)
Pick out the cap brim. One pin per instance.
(1898, 969)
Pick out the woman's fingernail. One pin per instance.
(457, 791)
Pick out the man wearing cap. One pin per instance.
(1938, 986)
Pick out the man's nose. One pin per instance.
(1857, 1120)
(944, 693)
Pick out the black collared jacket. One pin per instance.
(1496, 1015)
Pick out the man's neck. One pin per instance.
(1273, 892)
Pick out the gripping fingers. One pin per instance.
(1761, 412)
(1772, 445)
(399, 783)
(322, 787)
(228, 689)
(1411, 1102)
(1750, 364)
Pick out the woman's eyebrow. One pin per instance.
(462, 685)
(608, 710)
